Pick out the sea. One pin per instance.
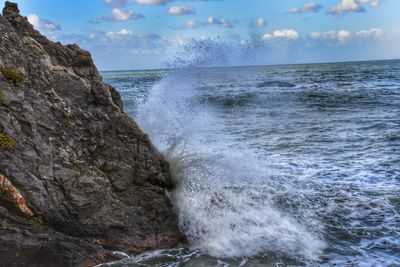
(291, 165)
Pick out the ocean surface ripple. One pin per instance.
(277, 165)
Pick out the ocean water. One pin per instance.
(295, 165)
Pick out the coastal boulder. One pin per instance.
(78, 177)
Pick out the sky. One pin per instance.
(150, 34)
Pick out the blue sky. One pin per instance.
(142, 34)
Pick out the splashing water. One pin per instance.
(221, 210)
(269, 173)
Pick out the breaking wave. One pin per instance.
(225, 194)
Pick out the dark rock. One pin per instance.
(275, 84)
(83, 179)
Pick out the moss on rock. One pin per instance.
(13, 76)
(7, 142)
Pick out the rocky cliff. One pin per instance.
(78, 178)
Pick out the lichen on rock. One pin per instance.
(13, 76)
(7, 142)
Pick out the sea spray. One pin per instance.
(320, 156)
(215, 52)
(221, 209)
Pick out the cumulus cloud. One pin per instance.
(306, 8)
(118, 14)
(126, 39)
(42, 24)
(180, 10)
(261, 22)
(324, 35)
(346, 6)
(374, 3)
(289, 34)
(122, 15)
(123, 32)
(222, 22)
(125, 3)
(371, 33)
(161, 2)
(342, 36)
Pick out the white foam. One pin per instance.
(220, 197)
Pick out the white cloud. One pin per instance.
(373, 3)
(118, 15)
(118, 3)
(123, 32)
(336, 36)
(211, 20)
(180, 10)
(343, 36)
(267, 37)
(307, 7)
(371, 33)
(346, 6)
(125, 3)
(222, 22)
(42, 24)
(34, 20)
(178, 41)
(287, 33)
(126, 40)
(152, 2)
(160, 2)
(290, 34)
(261, 22)
(225, 23)
(121, 15)
(324, 35)
(191, 24)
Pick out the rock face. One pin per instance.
(78, 178)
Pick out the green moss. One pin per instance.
(28, 42)
(7, 142)
(13, 76)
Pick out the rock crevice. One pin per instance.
(82, 179)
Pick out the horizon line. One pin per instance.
(256, 65)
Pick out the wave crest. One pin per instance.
(222, 210)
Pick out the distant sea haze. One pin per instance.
(292, 165)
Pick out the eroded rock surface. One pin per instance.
(83, 180)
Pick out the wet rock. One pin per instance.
(83, 179)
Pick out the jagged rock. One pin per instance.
(83, 179)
